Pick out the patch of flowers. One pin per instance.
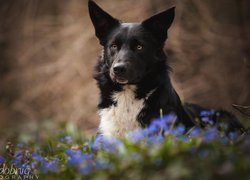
(163, 150)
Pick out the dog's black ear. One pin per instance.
(102, 21)
(160, 23)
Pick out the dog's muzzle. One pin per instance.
(119, 72)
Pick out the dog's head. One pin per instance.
(130, 49)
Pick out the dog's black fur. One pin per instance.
(133, 54)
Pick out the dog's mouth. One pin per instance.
(119, 80)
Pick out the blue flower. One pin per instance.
(2, 160)
(137, 135)
(34, 165)
(184, 138)
(20, 145)
(194, 132)
(83, 162)
(207, 113)
(156, 130)
(84, 170)
(210, 134)
(66, 139)
(75, 157)
(217, 113)
(161, 124)
(50, 166)
(155, 127)
(207, 120)
(18, 157)
(36, 157)
(102, 165)
(109, 144)
(170, 118)
(222, 126)
(155, 139)
(233, 135)
(178, 131)
(97, 143)
(45, 165)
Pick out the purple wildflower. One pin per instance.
(75, 157)
(20, 145)
(102, 165)
(233, 135)
(222, 126)
(2, 160)
(66, 139)
(97, 143)
(84, 170)
(34, 165)
(194, 132)
(45, 165)
(178, 131)
(155, 139)
(83, 162)
(184, 138)
(210, 134)
(137, 135)
(207, 120)
(207, 113)
(50, 166)
(171, 118)
(36, 157)
(154, 133)
(155, 127)
(162, 124)
(109, 144)
(217, 113)
(18, 157)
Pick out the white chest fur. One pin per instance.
(119, 119)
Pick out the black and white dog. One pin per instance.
(133, 74)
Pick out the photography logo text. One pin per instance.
(14, 173)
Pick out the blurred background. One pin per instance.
(48, 51)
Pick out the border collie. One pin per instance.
(132, 74)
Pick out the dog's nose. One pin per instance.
(119, 69)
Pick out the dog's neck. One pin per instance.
(121, 117)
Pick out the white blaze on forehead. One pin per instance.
(120, 119)
(129, 25)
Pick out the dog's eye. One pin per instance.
(114, 46)
(139, 47)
